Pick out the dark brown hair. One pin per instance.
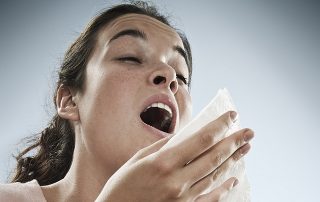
(55, 144)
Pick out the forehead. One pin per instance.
(151, 26)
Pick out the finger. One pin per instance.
(220, 192)
(182, 152)
(207, 181)
(202, 185)
(152, 148)
(231, 161)
(216, 156)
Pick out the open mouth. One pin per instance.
(159, 116)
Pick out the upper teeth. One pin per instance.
(162, 106)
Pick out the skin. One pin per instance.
(116, 157)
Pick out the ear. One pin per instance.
(66, 106)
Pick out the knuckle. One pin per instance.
(207, 183)
(174, 190)
(216, 159)
(217, 130)
(237, 155)
(206, 138)
(140, 153)
(238, 141)
(217, 173)
(162, 165)
(225, 121)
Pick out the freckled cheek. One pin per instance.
(118, 90)
(118, 82)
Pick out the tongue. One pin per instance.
(157, 118)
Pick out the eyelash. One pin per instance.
(183, 79)
(130, 59)
(137, 60)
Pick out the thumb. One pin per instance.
(152, 148)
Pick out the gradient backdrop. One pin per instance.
(265, 52)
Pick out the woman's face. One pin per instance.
(133, 80)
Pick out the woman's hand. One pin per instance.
(181, 172)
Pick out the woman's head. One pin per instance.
(77, 56)
(127, 59)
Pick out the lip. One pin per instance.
(165, 99)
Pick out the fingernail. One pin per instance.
(236, 181)
(248, 135)
(233, 116)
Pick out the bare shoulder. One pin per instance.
(30, 191)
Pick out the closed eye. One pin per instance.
(183, 79)
(130, 59)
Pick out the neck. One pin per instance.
(83, 182)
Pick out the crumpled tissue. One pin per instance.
(220, 104)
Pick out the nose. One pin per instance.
(164, 77)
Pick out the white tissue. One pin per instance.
(220, 104)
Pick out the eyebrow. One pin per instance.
(140, 34)
(130, 32)
(182, 52)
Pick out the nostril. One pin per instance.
(173, 86)
(159, 79)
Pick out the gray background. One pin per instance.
(265, 52)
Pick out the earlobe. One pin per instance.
(66, 106)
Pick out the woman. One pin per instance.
(123, 91)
